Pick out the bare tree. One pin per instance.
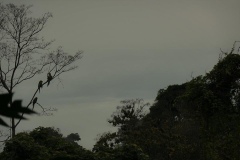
(24, 54)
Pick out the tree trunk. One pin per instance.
(13, 127)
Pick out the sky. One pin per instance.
(132, 48)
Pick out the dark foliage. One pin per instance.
(196, 120)
(43, 144)
(15, 111)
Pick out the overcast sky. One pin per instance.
(132, 48)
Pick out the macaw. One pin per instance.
(40, 85)
(49, 78)
(34, 101)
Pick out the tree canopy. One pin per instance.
(43, 143)
(198, 119)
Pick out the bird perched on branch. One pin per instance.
(40, 85)
(34, 101)
(49, 78)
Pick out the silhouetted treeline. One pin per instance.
(199, 120)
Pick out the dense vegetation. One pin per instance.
(199, 119)
(44, 144)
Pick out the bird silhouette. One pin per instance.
(49, 78)
(40, 85)
(34, 101)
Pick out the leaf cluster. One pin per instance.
(15, 111)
